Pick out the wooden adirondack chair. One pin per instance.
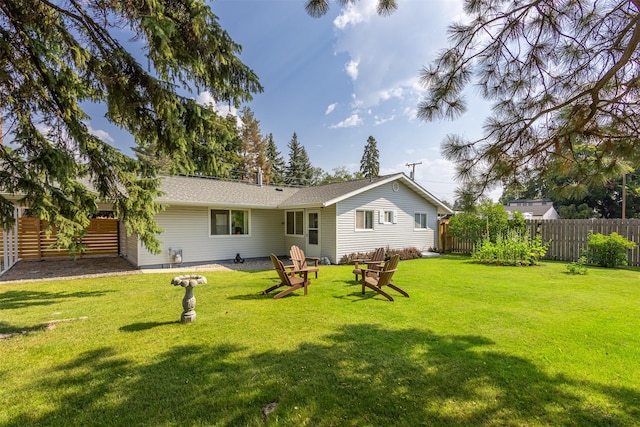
(382, 278)
(293, 282)
(373, 263)
(300, 261)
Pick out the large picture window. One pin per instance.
(225, 222)
(364, 220)
(420, 221)
(295, 223)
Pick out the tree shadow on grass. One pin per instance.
(360, 375)
(144, 326)
(18, 299)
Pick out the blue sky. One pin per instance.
(339, 79)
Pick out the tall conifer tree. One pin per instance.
(369, 164)
(276, 166)
(299, 170)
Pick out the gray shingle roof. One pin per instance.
(210, 191)
(215, 192)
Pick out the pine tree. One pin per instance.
(558, 74)
(276, 167)
(369, 164)
(299, 170)
(318, 8)
(57, 56)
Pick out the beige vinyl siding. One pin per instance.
(292, 239)
(328, 233)
(128, 245)
(187, 228)
(405, 202)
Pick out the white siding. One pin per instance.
(401, 234)
(187, 228)
(328, 230)
(128, 245)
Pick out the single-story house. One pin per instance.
(533, 208)
(209, 219)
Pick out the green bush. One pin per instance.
(405, 253)
(510, 248)
(578, 267)
(608, 251)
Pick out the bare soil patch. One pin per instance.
(56, 268)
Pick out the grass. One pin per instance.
(474, 345)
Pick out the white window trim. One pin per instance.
(229, 210)
(355, 220)
(382, 216)
(426, 217)
(286, 233)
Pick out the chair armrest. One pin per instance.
(314, 259)
(358, 261)
(366, 270)
(375, 264)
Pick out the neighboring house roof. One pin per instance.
(211, 191)
(537, 211)
(530, 202)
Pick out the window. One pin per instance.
(389, 216)
(227, 222)
(295, 223)
(420, 221)
(364, 220)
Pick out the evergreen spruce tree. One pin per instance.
(370, 164)
(57, 56)
(276, 166)
(299, 170)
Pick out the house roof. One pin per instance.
(536, 210)
(201, 191)
(211, 191)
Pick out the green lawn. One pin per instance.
(474, 345)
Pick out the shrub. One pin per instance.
(510, 248)
(578, 267)
(406, 253)
(608, 251)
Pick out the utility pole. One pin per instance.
(413, 170)
(624, 196)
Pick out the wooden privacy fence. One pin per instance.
(101, 239)
(567, 238)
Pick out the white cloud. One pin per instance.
(351, 68)
(386, 94)
(205, 98)
(380, 120)
(222, 108)
(349, 122)
(390, 51)
(330, 108)
(101, 134)
(355, 13)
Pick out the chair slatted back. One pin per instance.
(386, 273)
(279, 267)
(297, 257)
